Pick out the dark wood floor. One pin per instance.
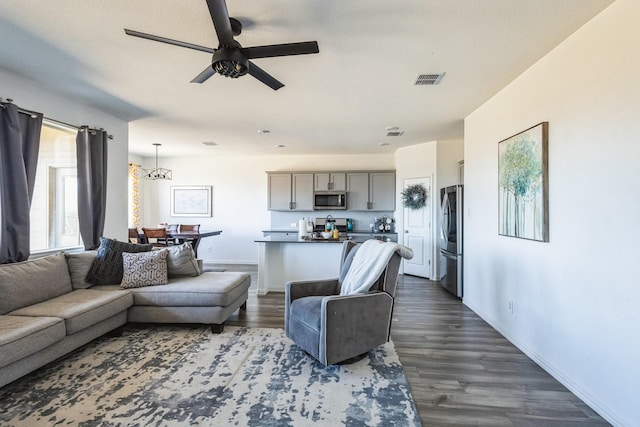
(460, 370)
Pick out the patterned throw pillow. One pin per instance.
(144, 269)
(107, 267)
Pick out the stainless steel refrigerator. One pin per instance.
(451, 238)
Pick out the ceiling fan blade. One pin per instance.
(204, 75)
(220, 18)
(264, 77)
(169, 41)
(285, 49)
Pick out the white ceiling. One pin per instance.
(338, 101)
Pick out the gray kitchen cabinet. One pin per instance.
(382, 190)
(279, 192)
(371, 191)
(358, 191)
(290, 192)
(302, 192)
(329, 181)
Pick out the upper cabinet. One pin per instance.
(366, 190)
(382, 191)
(279, 192)
(302, 191)
(290, 191)
(330, 181)
(358, 191)
(371, 191)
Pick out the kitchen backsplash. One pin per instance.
(361, 220)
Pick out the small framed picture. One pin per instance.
(191, 201)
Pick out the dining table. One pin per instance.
(193, 237)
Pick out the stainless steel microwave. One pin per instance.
(330, 200)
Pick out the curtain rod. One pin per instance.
(32, 114)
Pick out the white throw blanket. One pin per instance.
(369, 263)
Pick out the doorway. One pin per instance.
(417, 233)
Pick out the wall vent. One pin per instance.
(428, 79)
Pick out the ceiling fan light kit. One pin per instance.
(230, 63)
(230, 59)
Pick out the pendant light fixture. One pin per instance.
(158, 172)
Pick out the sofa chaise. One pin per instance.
(47, 307)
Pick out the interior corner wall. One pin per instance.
(449, 154)
(575, 298)
(33, 97)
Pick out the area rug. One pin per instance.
(179, 376)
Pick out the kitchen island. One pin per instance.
(284, 257)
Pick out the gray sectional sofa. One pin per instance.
(47, 308)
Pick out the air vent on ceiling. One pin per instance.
(428, 79)
(395, 133)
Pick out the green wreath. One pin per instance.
(414, 197)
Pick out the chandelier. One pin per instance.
(157, 172)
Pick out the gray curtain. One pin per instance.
(92, 184)
(19, 146)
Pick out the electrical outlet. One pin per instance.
(510, 307)
(293, 225)
(210, 249)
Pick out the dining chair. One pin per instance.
(134, 235)
(189, 228)
(156, 236)
(172, 229)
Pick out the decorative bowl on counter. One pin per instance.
(327, 234)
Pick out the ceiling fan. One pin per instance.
(230, 59)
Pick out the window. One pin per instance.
(54, 208)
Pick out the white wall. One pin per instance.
(575, 297)
(33, 97)
(239, 195)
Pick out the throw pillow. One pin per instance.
(182, 261)
(144, 269)
(79, 264)
(107, 267)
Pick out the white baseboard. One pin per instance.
(239, 262)
(603, 410)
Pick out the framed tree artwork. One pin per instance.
(523, 187)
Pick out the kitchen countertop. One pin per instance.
(295, 231)
(292, 237)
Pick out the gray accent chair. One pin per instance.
(334, 328)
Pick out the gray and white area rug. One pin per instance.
(179, 376)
